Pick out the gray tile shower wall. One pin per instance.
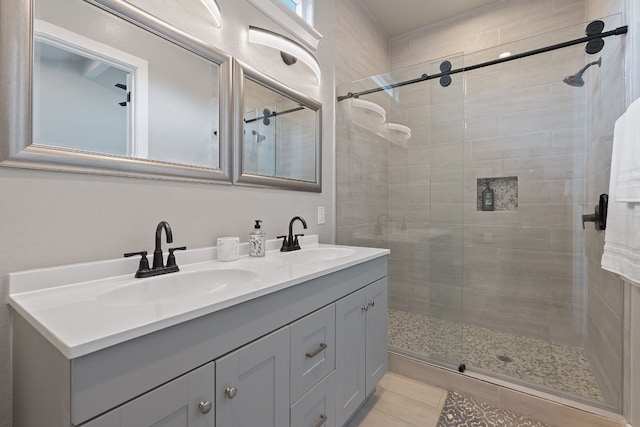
(519, 120)
(362, 157)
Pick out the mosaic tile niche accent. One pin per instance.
(505, 190)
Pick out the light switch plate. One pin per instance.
(320, 214)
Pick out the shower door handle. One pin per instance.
(600, 215)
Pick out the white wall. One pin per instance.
(50, 219)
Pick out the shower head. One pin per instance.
(576, 79)
(259, 137)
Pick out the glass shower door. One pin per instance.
(425, 238)
(514, 291)
(533, 303)
(446, 214)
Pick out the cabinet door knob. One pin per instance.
(231, 392)
(323, 419)
(372, 303)
(205, 406)
(365, 307)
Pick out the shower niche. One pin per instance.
(497, 194)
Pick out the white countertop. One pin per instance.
(68, 306)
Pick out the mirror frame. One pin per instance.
(240, 177)
(16, 104)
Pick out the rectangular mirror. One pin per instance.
(114, 90)
(277, 133)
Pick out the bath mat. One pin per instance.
(462, 411)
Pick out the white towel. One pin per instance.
(622, 236)
(628, 174)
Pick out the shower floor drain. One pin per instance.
(505, 359)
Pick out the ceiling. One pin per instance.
(400, 16)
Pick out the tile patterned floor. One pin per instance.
(403, 402)
(463, 411)
(530, 359)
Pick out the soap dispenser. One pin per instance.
(488, 198)
(257, 241)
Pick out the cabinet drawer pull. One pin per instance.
(315, 352)
(323, 419)
(231, 392)
(204, 406)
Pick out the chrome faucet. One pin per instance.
(290, 242)
(158, 263)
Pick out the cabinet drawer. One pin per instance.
(312, 350)
(317, 408)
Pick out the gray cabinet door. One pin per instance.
(182, 402)
(252, 384)
(377, 359)
(350, 354)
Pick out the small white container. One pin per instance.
(228, 248)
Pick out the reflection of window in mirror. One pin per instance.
(102, 88)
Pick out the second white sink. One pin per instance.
(314, 255)
(174, 287)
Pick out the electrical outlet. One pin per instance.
(320, 214)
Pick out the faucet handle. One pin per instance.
(284, 241)
(171, 259)
(295, 242)
(144, 262)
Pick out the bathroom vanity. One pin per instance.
(292, 339)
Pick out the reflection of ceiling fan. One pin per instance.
(123, 87)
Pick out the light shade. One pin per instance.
(214, 9)
(284, 44)
(398, 133)
(375, 112)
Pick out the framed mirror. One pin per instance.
(277, 133)
(100, 86)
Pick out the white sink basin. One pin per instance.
(314, 255)
(213, 284)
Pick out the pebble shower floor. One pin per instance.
(530, 359)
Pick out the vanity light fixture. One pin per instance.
(214, 10)
(373, 108)
(286, 45)
(398, 133)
